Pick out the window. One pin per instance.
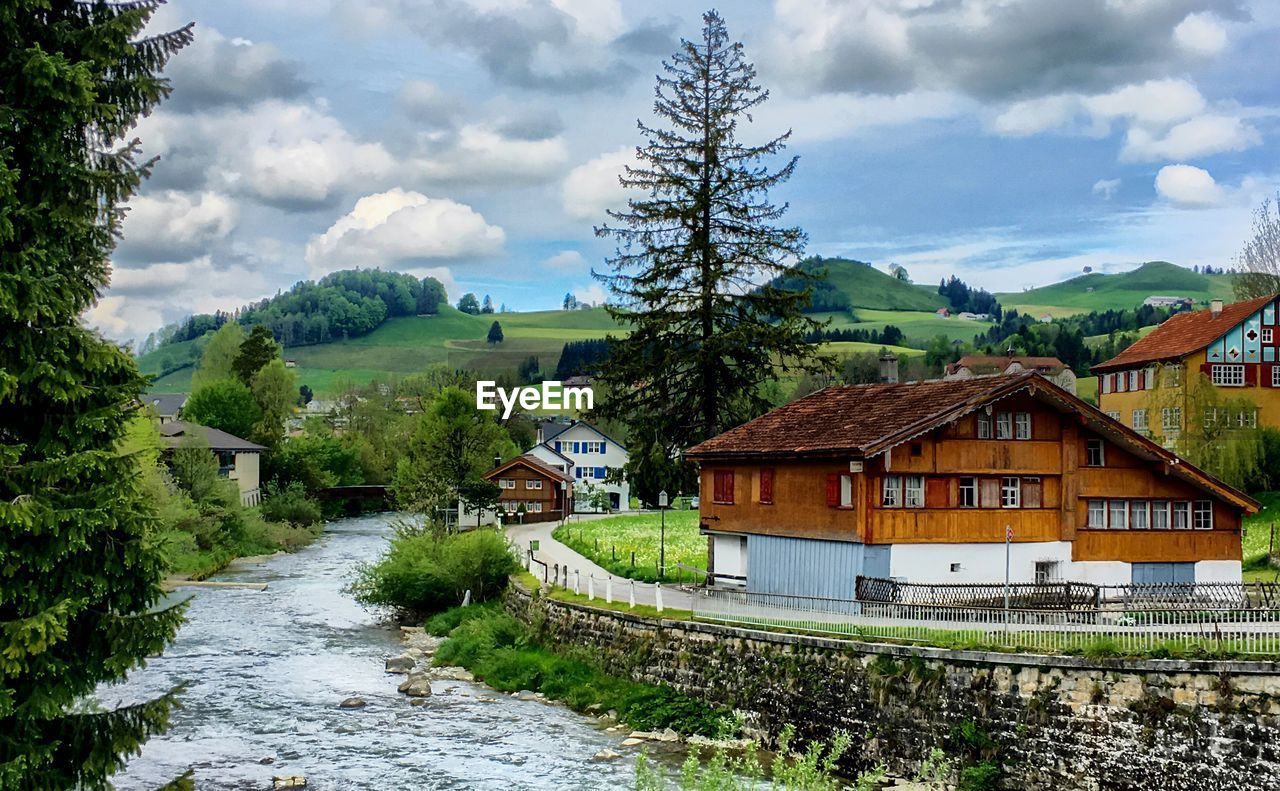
(1160, 515)
(1023, 425)
(1173, 375)
(1138, 515)
(506, 483)
(914, 491)
(1119, 514)
(1010, 493)
(1004, 425)
(1204, 515)
(534, 507)
(984, 426)
(917, 449)
(1046, 571)
(1106, 383)
(1149, 380)
(1275, 376)
(1094, 453)
(723, 491)
(1227, 375)
(766, 486)
(955, 567)
(1113, 415)
(1171, 419)
(968, 492)
(1247, 418)
(1139, 420)
(1133, 380)
(532, 484)
(892, 491)
(1121, 381)
(1266, 335)
(846, 491)
(1181, 516)
(1097, 514)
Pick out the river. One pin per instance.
(265, 671)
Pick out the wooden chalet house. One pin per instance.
(545, 491)
(921, 481)
(1233, 349)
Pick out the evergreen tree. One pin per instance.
(495, 333)
(704, 340)
(257, 350)
(487, 305)
(305, 395)
(80, 582)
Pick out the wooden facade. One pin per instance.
(1023, 462)
(545, 492)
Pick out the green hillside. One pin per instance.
(1114, 292)
(868, 287)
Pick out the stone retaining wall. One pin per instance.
(1053, 722)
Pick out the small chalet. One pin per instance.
(923, 481)
(1051, 368)
(238, 459)
(544, 491)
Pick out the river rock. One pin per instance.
(595, 707)
(645, 736)
(352, 703)
(525, 694)
(288, 781)
(400, 664)
(632, 742)
(452, 674)
(606, 755)
(417, 685)
(418, 702)
(668, 735)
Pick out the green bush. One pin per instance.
(426, 573)
(290, 505)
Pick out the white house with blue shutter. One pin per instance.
(592, 454)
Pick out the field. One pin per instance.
(609, 543)
(1257, 539)
(1120, 291)
(868, 287)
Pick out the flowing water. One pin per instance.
(265, 671)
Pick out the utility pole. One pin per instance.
(1008, 543)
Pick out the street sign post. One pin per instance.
(662, 539)
(1008, 541)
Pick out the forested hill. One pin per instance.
(344, 304)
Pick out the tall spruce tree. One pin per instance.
(79, 582)
(691, 255)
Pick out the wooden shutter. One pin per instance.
(766, 485)
(833, 490)
(936, 493)
(989, 492)
(1032, 493)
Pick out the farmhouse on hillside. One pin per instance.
(921, 481)
(591, 454)
(1233, 349)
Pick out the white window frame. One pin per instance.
(1122, 380)
(1160, 513)
(1097, 515)
(1171, 419)
(891, 492)
(984, 426)
(1275, 376)
(1174, 372)
(1181, 512)
(1004, 425)
(506, 483)
(1117, 507)
(1227, 375)
(972, 488)
(1139, 420)
(1090, 445)
(1022, 425)
(1266, 335)
(534, 507)
(1114, 415)
(1106, 383)
(1202, 515)
(1139, 508)
(1247, 418)
(530, 483)
(846, 491)
(1133, 381)
(913, 491)
(1010, 492)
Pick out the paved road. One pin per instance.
(552, 552)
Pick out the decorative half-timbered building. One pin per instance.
(924, 481)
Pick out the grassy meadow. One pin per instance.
(1101, 292)
(603, 540)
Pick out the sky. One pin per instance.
(1009, 142)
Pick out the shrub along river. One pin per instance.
(266, 670)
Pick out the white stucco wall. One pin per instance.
(978, 562)
(730, 557)
(1219, 571)
(246, 472)
(614, 456)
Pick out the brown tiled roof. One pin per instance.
(173, 433)
(1183, 334)
(853, 419)
(860, 421)
(979, 363)
(534, 463)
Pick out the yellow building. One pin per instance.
(1211, 365)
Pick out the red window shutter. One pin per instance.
(718, 491)
(833, 490)
(766, 485)
(728, 486)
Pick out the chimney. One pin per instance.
(889, 368)
(497, 460)
(1215, 307)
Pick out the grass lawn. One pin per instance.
(1087, 389)
(1257, 538)
(603, 540)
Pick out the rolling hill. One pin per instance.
(868, 287)
(1123, 290)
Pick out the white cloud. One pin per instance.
(1106, 188)
(1189, 186)
(835, 116)
(1151, 103)
(175, 225)
(1197, 137)
(566, 261)
(392, 228)
(593, 294)
(592, 187)
(1200, 34)
(478, 154)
